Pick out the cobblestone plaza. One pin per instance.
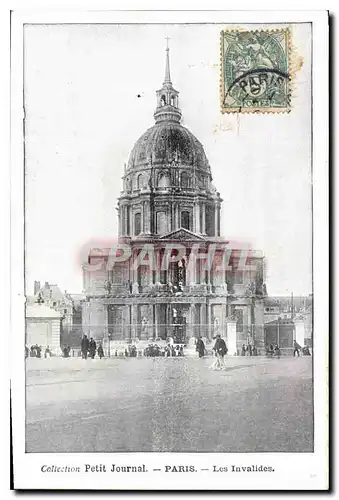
(169, 405)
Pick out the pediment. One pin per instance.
(182, 234)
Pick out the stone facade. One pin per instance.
(180, 277)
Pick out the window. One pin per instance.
(172, 100)
(164, 180)
(184, 180)
(65, 311)
(163, 100)
(185, 220)
(137, 224)
(139, 181)
(238, 276)
(161, 223)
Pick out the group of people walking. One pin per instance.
(89, 348)
(220, 350)
(35, 351)
(167, 351)
(249, 350)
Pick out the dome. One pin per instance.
(167, 142)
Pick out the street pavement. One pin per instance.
(169, 405)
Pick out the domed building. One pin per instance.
(169, 280)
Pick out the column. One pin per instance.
(216, 221)
(156, 320)
(203, 321)
(231, 336)
(142, 218)
(249, 320)
(177, 218)
(157, 264)
(134, 321)
(191, 270)
(197, 218)
(209, 321)
(147, 219)
(203, 208)
(191, 321)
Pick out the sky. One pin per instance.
(89, 93)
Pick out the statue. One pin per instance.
(251, 289)
(135, 288)
(216, 326)
(144, 325)
(108, 287)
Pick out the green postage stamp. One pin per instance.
(255, 71)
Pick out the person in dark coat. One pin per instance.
(306, 351)
(296, 348)
(277, 351)
(243, 350)
(200, 347)
(92, 348)
(84, 346)
(100, 351)
(26, 352)
(220, 349)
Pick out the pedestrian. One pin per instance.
(100, 351)
(92, 347)
(200, 347)
(38, 351)
(243, 350)
(47, 352)
(26, 351)
(306, 351)
(277, 351)
(220, 350)
(84, 346)
(296, 348)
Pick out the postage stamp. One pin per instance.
(255, 73)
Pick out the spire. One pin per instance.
(167, 97)
(167, 70)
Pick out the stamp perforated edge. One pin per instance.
(258, 110)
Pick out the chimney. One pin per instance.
(36, 287)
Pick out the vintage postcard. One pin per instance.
(169, 250)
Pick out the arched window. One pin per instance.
(161, 223)
(184, 180)
(185, 219)
(163, 100)
(172, 100)
(137, 224)
(164, 180)
(139, 181)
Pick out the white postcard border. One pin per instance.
(293, 471)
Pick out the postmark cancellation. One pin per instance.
(255, 74)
